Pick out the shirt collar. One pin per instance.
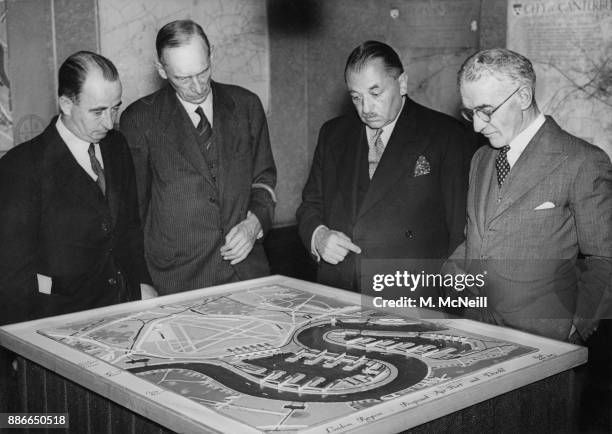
(68, 136)
(207, 106)
(387, 130)
(79, 148)
(520, 142)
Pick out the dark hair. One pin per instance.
(178, 33)
(73, 72)
(500, 63)
(372, 50)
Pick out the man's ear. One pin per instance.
(403, 83)
(525, 97)
(65, 104)
(160, 70)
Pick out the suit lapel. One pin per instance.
(403, 148)
(61, 166)
(536, 162)
(347, 162)
(174, 117)
(225, 126)
(483, 177)
(112, 173)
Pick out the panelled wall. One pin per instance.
(40, 35)
(309, 41)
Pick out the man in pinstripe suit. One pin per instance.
(537, 197)
(204, 166)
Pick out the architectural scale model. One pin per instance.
(281, 359)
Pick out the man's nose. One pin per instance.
(366, 105)
(107, 120)
(197, 87)
(478, 124)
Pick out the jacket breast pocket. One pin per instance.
(549, 213)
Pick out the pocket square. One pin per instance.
(545, 205)
(422, 166)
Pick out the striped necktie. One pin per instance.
(97, 168)
(376, 147)
(203, 127)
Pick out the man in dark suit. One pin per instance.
(538, 197)
(204, 167)
(70, 234)
(386, 182)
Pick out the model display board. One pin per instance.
(282, 355)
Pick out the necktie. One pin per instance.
(502, 165)
(203, 127)
(97, 168)
(376, 148)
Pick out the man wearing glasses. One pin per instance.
(538, 197)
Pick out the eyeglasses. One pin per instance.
(483, 115)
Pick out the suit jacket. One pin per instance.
(54, 221)
(400, 215)
(186, 213)
(533, 280)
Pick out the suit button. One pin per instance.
(105, 227)
(409, 234)
(211, 199)
(112, 281)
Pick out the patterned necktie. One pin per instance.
(376, 147)
(204, 128)
(502, 165)
(97, 168)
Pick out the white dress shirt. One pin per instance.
(520, 142)
(78, 148)
(387, 130)
(207, 106)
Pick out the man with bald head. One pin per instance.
(70, 234)
(204, 167)
(538, 197)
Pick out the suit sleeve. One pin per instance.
(454, 184)
(458, 262)
(133, 130)
(134, 236)
(310, 214)
(592, 207)
(19, 222)
(262, 199)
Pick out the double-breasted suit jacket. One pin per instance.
(555, 203)
(414, 206)
(55, 222)
(186, 210)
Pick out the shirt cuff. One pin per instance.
(266, 187)
(260, 233)
(313, 250)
